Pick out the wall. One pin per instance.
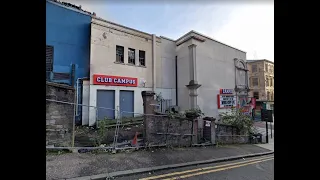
(59, 117)
(226, 134)
(103, 51)
(160, 130)
(166, 70)
(183, 76)
(215, 70)
(68, 32)
(105, 36)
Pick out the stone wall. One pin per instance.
(59, 116)
(161, 130)
(226, 134)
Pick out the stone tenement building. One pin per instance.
(261, 79)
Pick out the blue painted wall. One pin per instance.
(69, 33)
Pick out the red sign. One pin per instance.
(114, 80)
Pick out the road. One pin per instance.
(258, 168)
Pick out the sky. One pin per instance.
(243, 24)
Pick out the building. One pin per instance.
(261, 78)
(193, 71)
(67, 42)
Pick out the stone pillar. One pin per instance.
(195, 132)
(148, 102)
(148, 110)
(213, 132)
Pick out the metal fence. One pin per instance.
(164, 105)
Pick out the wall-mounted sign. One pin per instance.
(114, 80)
(226, 101)
(226, 91)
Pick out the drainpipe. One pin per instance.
(77, 94)
(154, 85)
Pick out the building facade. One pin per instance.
(190, 71)
(261, 77)
(67, 42)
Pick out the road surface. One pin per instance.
(258, 168)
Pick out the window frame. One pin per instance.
(144, 58)
(131, 60)
(121, 56)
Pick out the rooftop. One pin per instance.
(71, 7)
(256, 60)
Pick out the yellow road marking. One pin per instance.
(216, 170)
(199, 169)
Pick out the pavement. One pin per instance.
(95, 166)
(249, 168)
(262, 129)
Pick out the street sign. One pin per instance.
(266, 115)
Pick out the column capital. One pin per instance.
(192, 45)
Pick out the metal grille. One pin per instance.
(61, 76)
(49, 58)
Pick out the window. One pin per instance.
(272, 97)
(254, 68)
(142, 58)
(119, 54)
(131, 56)
(267, 82)
(266, 67)
(256, 95)
(255, 82)
(268, 96)
(271, 82)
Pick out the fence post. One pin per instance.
(74, 117)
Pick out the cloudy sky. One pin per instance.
(243, 24)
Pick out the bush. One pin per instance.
(239, 120)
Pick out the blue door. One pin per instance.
(127, 103)
(106, 99)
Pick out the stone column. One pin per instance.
(148, 110)
(148, 102)
(213, 132)
(193, 83)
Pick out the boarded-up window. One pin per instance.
(49, 58)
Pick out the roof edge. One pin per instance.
(98, 18)
(192, 31)
(256, 60)
(69, 8)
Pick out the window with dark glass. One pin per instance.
(119, 54)
(131, 56)
(142, 58)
